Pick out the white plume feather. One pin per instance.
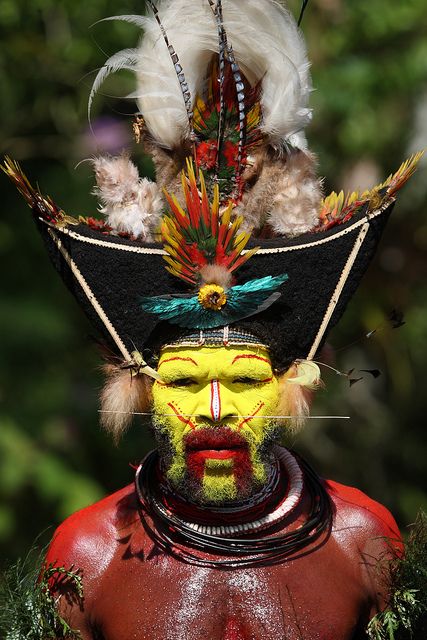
(267, 45)
(125, 59)
(139, 21)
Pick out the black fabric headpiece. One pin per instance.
(110, 275)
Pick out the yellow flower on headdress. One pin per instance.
(212, 296)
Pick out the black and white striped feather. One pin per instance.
(267, 46)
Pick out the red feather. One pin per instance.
(197, 236)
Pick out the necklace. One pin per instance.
(184, 541)
(243, 510)
(293, 472)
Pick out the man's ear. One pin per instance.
(296, 389)
(123, 395)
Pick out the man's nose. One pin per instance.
(216, 405)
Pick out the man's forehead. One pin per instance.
(224, 355)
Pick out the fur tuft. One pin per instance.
(294, 399)
(121, 396)
(298, 195)
(286, 193)
(306, 373)
(130, 204)
(216, 274)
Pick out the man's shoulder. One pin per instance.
(360, 512)
(87, 532)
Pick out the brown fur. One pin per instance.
(168, 166)
(294, 400)
(282, 191)
(121, 397)
(297, 198)
(285, 193)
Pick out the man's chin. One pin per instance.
(224, 481)
(216, 489)
(217, 467)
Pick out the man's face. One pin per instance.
(211, 420)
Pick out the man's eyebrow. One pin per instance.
(250, 355)
(179, 358)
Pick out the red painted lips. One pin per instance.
(218, 439)
(219, 443)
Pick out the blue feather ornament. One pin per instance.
(242, 301)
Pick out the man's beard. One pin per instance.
(240, 449)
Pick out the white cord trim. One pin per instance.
(161, 252)
(90, 296)
(104, 243)
(330, 238)
(338, 289)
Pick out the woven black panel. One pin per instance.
(119, 278)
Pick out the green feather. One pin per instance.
(242, 301)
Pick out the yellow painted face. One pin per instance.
(212, 419)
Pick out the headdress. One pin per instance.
(234, 96)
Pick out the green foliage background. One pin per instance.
(369, 65)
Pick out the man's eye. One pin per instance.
(183, 382)
(246, 380)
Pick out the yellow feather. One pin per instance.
(173, 271)
(200, 107)
(225, 218)
(239, 246)
(173, 263)
(352, 197)
(170, 250)
(250, 252)
(253, 116)
(242, 237)
(178, 206)
(215, 203)
(190, 170)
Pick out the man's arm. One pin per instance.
(87, 542)
(375, 540)
(71, 603)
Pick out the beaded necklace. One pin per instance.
(239, 543)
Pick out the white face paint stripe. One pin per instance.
(215, 400)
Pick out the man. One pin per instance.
(225, 535)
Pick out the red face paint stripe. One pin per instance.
(180, 417)
(215, 400)
(179, 358)
(249, 355)
(246, 420)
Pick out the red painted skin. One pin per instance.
(135, 591)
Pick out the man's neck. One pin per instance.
(247, 508)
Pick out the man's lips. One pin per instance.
(216, 443)
(214, 454)
(220, 443)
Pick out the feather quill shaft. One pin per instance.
(177, 66)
